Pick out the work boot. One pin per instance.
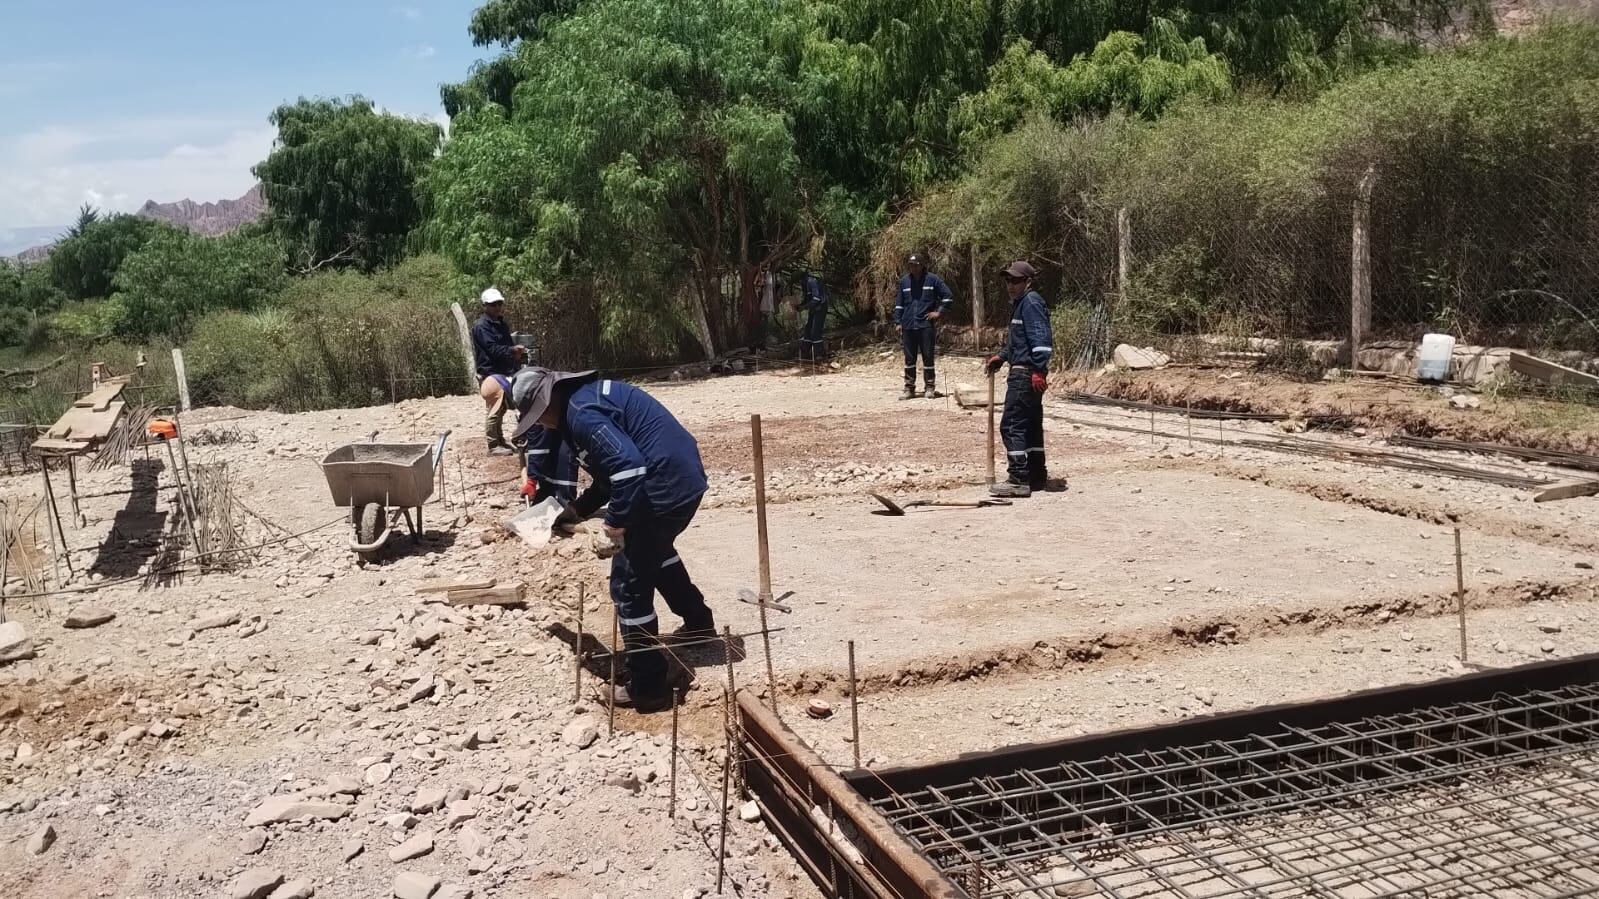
(1049, 485)
(690, 634)
(1010, 489)
(643, 702)
(930, 393)
(909, 394)
(501, 449)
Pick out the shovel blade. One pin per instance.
(892, 507)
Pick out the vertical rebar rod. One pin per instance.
(610, 696)
(577, 648)
(854, 705)
(732, 686)
(671, 807)
(1460, 595)
(765, 555)
(1152, 427)
(1190, 424)
(727, 752)
(990, 429)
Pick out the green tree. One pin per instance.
(340, 182)
(663, 166)
(26, 294)
(85, 262)
(176, 278)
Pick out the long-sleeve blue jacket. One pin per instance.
(916, 299)
(639, 456)
(814, 296)
(492, 347)
(551, 466)
(1031, 341)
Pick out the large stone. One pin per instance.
(1131, 357)
(42, 840)
(471, 842)
(427, 800)
(256, 883)
(379, 773)
(350, 849)
(453, 891)
(88, 616)
(15, 645)
(412, 885)
(580, 733)
(415, 847)
(278, 809)
(299, 888)
(253, 842)
(216, 620)
(345, 784)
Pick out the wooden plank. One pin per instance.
(1360, 268)
(82, 423)
(100, 398)
(499, 595)
(1567, 491)
(1550, 372)
(55, 445)
(462, 585)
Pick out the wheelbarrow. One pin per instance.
(382, 483)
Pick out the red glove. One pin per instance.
(1040, 383)
(994, 364)
(529, 488)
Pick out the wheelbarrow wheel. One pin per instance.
(367, 529)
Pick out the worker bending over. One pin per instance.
(648, 467)
(551, 467)
(497, 357)
(922, 300)
(1027, 350)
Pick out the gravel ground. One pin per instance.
(1166, 581)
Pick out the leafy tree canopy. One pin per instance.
(85, 261)
(340, 182)
(166, 286)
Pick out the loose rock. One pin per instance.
(580, 733)
(379, 773)
(749, 811)
(15, 645)
(215, 620)
(299, 888)
(254, 841)
(42, 840)
(413, 885)
(277, 809)
(415, 847)
(88, 616)
(350, 849)
(256, 883)
(471, 842)
(427, 800)
(453, 891)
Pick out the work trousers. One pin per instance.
(494, 420)
(1022, 428)
(649, 562)
(811, 347)
(921, 340)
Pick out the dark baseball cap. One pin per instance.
(1020, 269)
(915, 259)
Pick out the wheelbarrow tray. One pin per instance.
(392, 474)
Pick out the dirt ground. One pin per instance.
(1168, 580)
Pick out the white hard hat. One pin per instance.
(492, 295)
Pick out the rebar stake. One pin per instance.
(854, 707)
(1460, 595)
(577, 652)
(765, 555)
(610, 699)
(727, 755)
(671, 807)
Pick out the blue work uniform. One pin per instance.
(813, 299)
(551, 466)
(916, 298)
(648, 467)
(493, 348)
(1028, 349)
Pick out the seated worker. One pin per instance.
(647, 466)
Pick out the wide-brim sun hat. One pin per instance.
(531, 390)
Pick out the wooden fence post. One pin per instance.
(978, 316)
(465, 334)
(1360, 268)
(180, 375)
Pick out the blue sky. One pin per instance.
(115, 102)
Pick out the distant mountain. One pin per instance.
(208, 218)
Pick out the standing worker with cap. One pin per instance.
(922, 299)
(648, 466)
(497, 356)
(813, 301)
(1027, 351)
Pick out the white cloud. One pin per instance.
(46, 174)
(426, 51)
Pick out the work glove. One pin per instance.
(529, 488)
(994, 363)
(566, 523)
(609, 541)
(1040, 383)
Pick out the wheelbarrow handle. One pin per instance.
(438, 448)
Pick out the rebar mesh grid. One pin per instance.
(1496, 798)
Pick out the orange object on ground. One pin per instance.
(163, 428)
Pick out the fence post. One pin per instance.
(465, 334)
(1124, 264)
(1360, 267)
(977, 299)
(180, 375)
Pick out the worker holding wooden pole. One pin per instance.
(647, 472)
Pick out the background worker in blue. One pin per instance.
(923, 298)
(1027, 351)
(497, 357)
(648, 467)
(813, 302)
